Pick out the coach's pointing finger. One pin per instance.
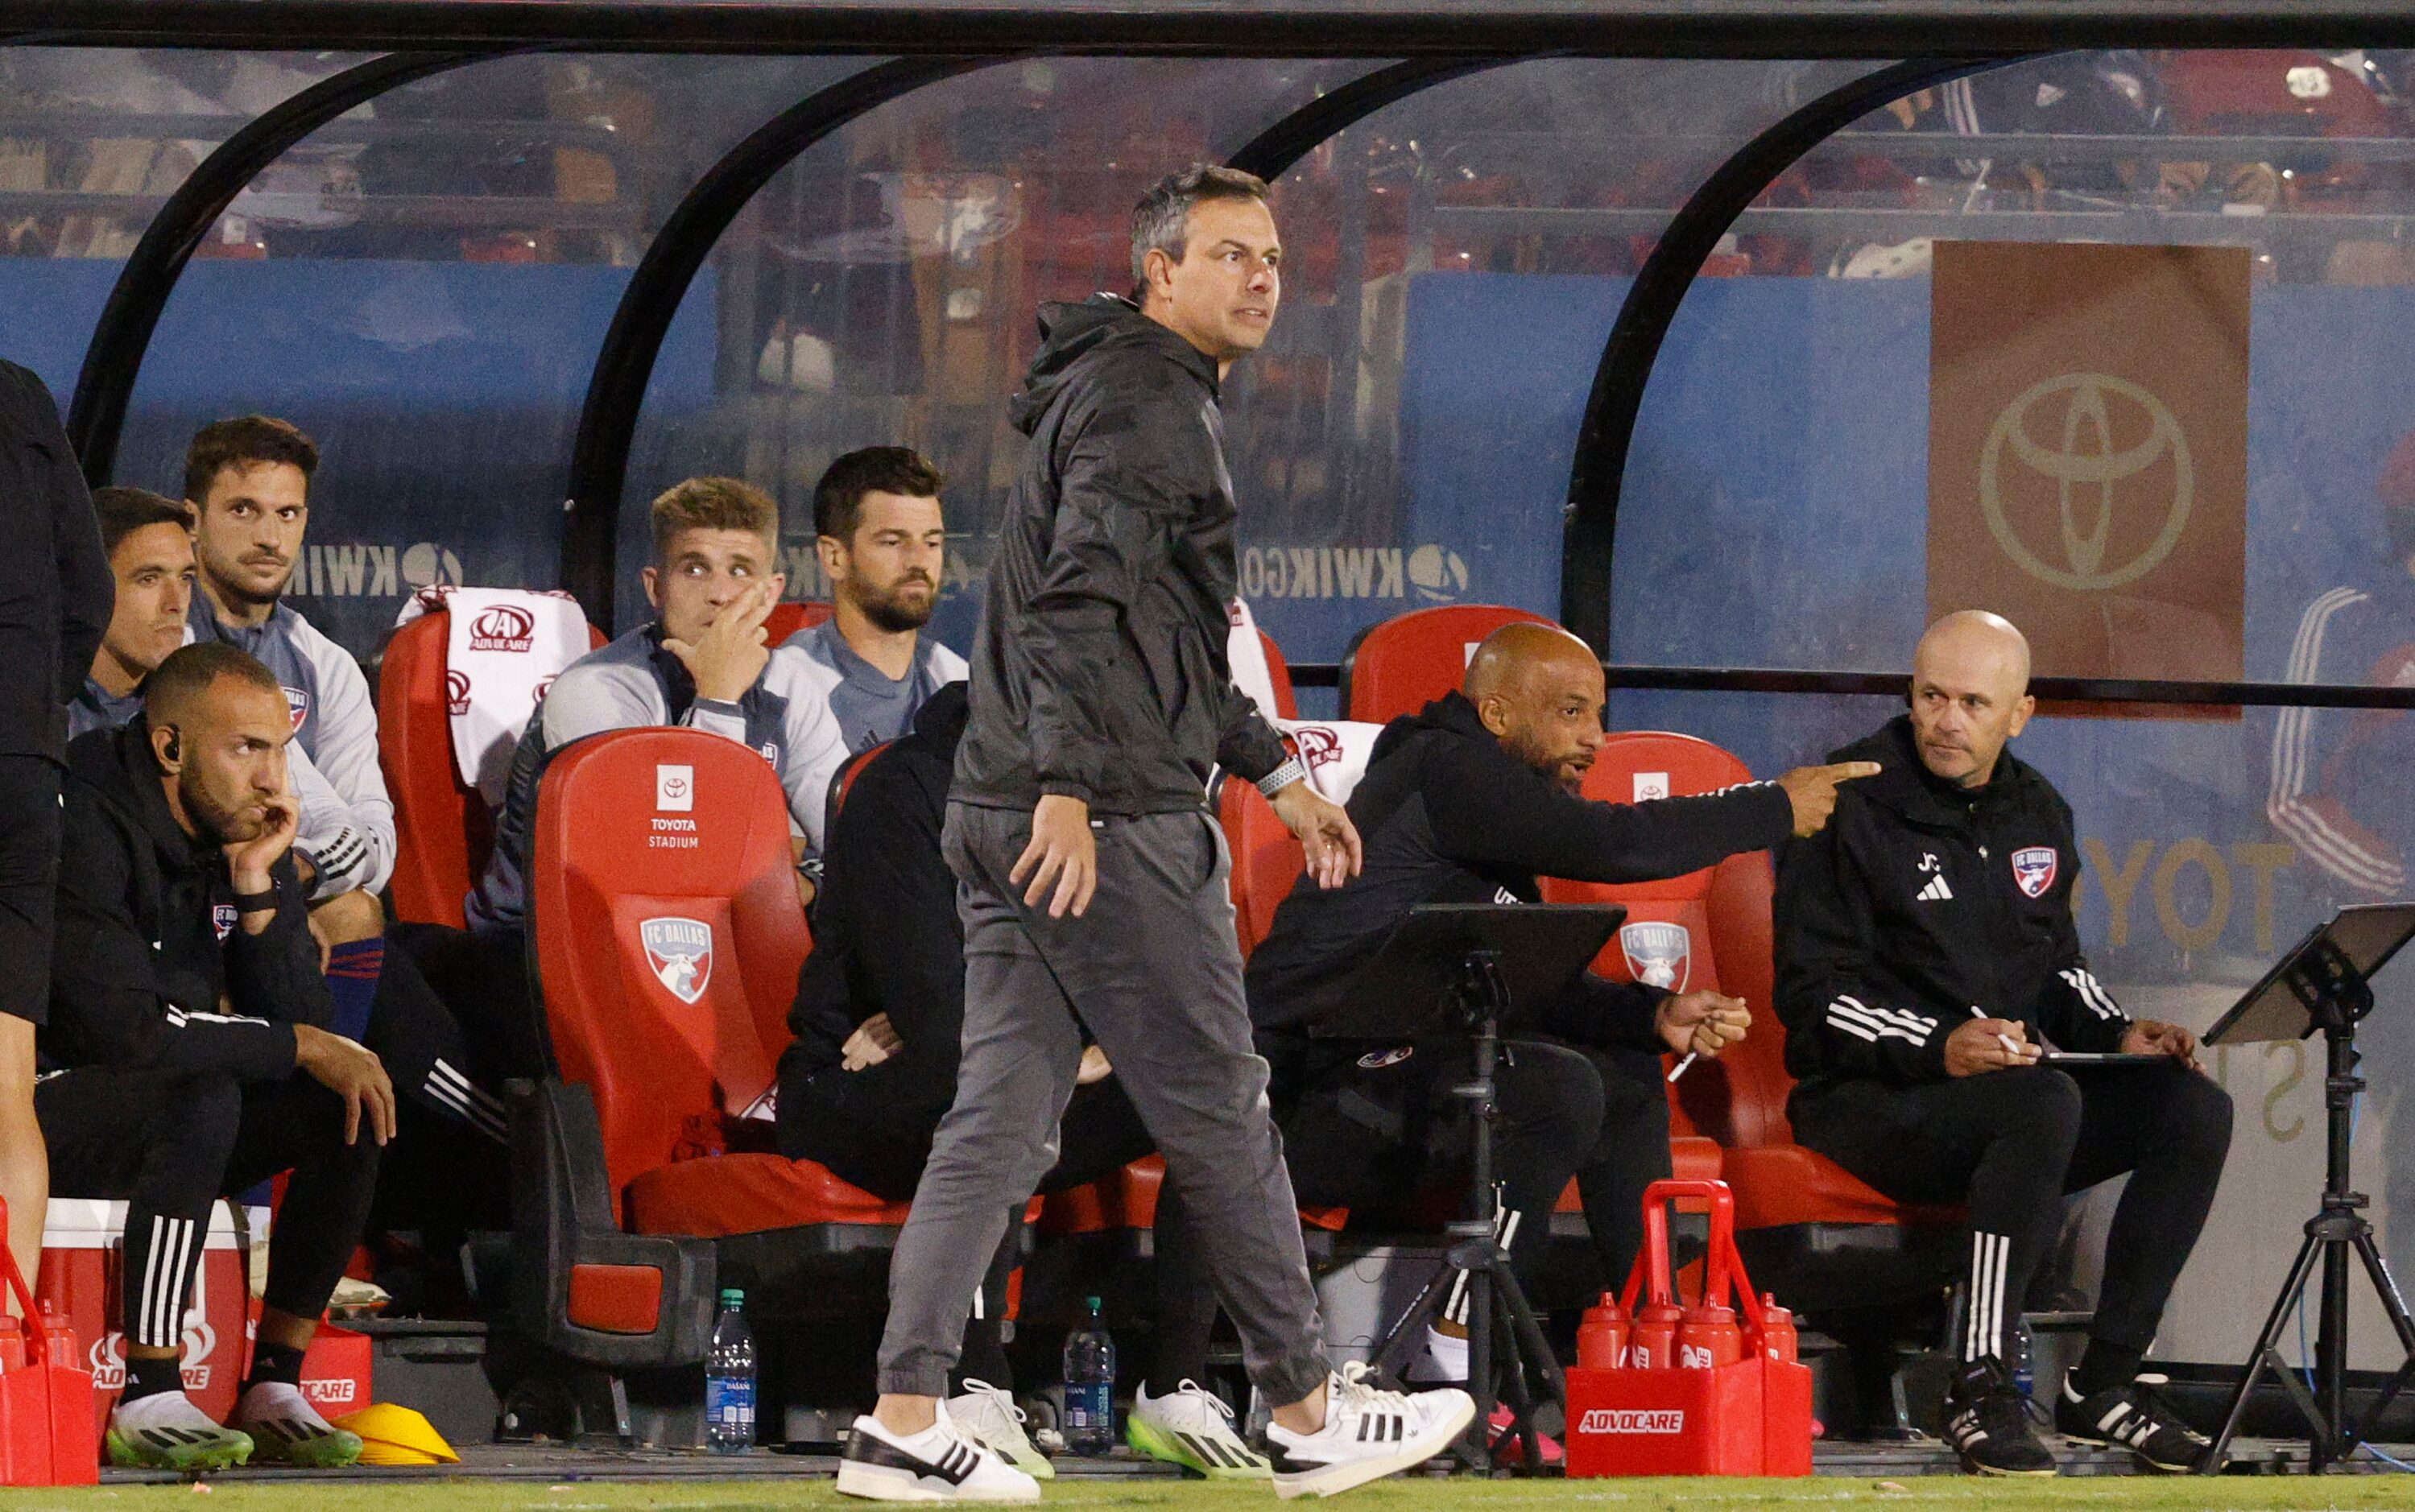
(1812, 791)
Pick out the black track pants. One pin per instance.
(2012, 1144)
(168, 1143)
(1370, 1134)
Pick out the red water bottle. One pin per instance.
(1708, 1338)
(12, 1343)
(1601, 1337)
(1776, 1330)
(1652, 1343)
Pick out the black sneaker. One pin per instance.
(1987, 1422)
(2130, 1417)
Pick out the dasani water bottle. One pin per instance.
(730, 1379)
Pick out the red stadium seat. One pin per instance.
(1799, 1206)
(1286, 702)
(667, 938)
(792, 616)
(442, 831)
(1267, 861)
(1400, 665)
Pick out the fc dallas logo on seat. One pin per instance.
(680, 953)
(1658, 955)
(502, 627)
(2033, 869)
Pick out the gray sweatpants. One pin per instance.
(1154, 971)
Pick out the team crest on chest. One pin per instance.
(297, 703)
(680, 953)
(2033, 869)
(1658, 955)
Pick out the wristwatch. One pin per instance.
(1283, 776)
(254, 903)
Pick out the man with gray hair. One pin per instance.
(1091, 877)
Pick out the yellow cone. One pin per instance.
(392, 1435)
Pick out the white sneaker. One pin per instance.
(989, 1414)
(286, 1429)
(940, 1464)
(1368, 1434)
(1190, 1427)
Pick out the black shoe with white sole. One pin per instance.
(941, 1463)
(1987, 1422)
(2129, 1417)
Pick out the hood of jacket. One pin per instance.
(1452, 714)
(1103, 322)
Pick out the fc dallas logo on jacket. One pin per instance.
(2033, 868)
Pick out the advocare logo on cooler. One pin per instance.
(1612, 1420)
(338, 1391)
(502, 627)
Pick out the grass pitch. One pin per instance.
(1953, 1493)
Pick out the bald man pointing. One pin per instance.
(1469, 802)
(1926, 958)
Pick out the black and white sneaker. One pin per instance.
(1987, 1422)
(941, 1463)
(2128, 1418)
(1368, 1434)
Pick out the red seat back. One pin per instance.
(1267, 861)
(1400, 665)
(442, 831)
(668, 934)
(1698, 930)
(1279, 670)
(792, 616)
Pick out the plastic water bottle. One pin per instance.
(730, 1379)
(2024, 1361)
(1090, 1387)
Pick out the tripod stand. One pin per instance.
(1473, 969)
(2333, 992)
(1494, 1297)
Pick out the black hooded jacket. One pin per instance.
(56, 590)
(1100, 669)
(150, 967)
(1924, 904)
(1447, 815)
(886, 937)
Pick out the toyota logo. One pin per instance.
(2087, 470)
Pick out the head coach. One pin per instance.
(1927, 958)
(1091, 877)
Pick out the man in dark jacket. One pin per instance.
(1469, 802)
(879, 1024)
(1092, 877)
(55, 601)
(1927, 958)
(185, 1026)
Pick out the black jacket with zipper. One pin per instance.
(56, 590)
(1924, 904)
(1098, 671)
(150, 967)
(1446, 815)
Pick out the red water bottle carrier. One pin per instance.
(1723, 1396)
(49, 1432)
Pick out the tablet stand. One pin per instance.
(2325, 984)
(1468, 968)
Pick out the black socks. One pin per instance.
(148, 1376)
(280, 1363)
(2104, 1366)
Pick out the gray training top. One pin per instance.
(871, 706)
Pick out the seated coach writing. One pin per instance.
(1927, 957)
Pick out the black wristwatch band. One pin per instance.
(252, 902)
